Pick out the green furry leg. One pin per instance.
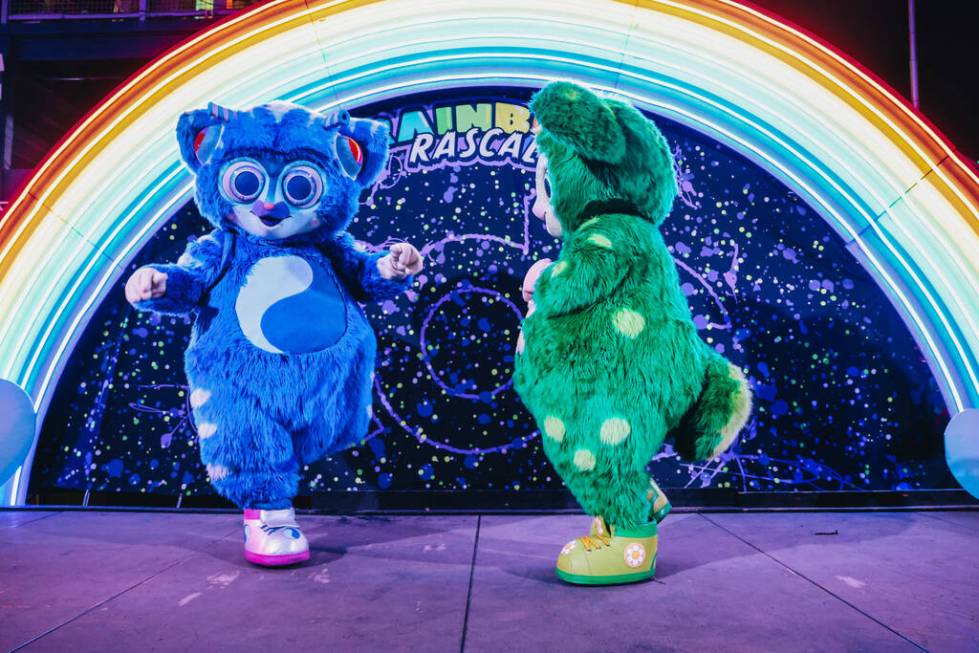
(608, 477)
(723, 408)
(606, 481)
(660, 507)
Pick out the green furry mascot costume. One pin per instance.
(609, 361)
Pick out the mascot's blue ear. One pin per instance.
(199, 131)
(362, 147)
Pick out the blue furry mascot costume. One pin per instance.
(281, 356)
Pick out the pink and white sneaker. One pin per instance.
(273, 538)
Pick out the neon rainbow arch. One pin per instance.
(892, 187)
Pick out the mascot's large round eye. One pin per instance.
(243, 181)
(302, 186)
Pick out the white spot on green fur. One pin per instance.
(600, 240)
(629, 322)
(558, 268)
(615, 430)
(589, 222)
(554, 428)
(584, 460)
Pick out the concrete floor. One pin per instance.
(101, 581)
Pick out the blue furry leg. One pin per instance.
(339, 420)
(249, 457)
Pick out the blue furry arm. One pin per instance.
(358, 271)
(183, 293)
(188, 280)
(592, 265)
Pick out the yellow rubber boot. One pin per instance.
(610, 556)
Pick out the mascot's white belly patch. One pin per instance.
(289, 305)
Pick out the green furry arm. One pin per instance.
(593, 263)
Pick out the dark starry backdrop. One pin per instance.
(844, 399)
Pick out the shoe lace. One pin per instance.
(595, 542)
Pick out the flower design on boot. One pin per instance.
(635, 554)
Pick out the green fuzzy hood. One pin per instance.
(604, 153)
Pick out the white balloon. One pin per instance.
(17, 426)
(962, 449)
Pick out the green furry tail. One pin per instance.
(718, 415)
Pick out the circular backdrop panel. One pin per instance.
(845, 400)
